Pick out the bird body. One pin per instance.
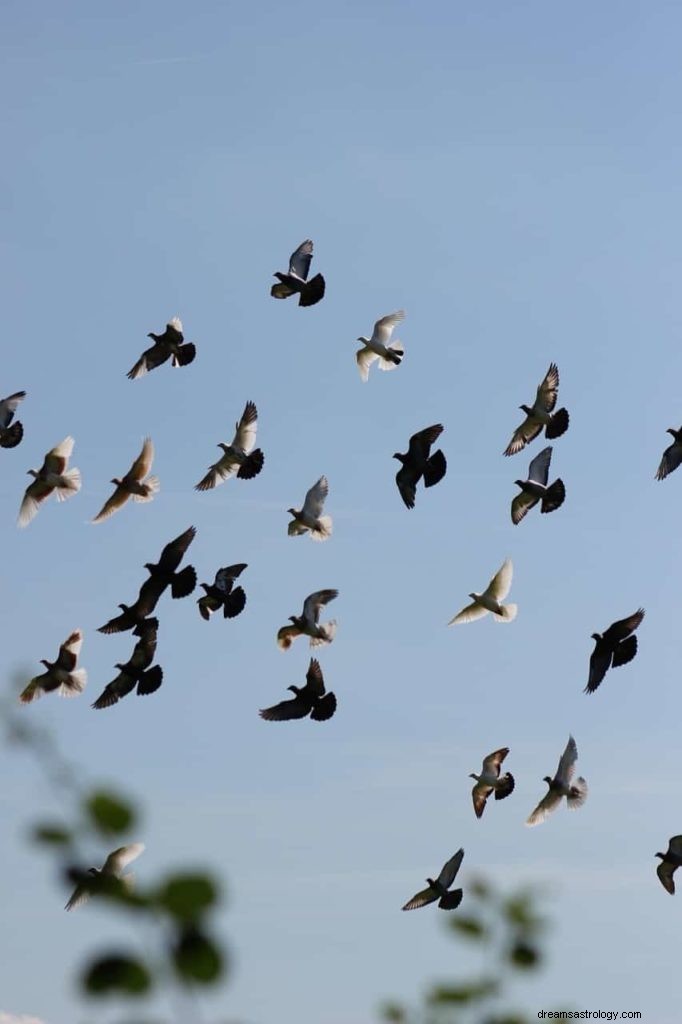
(491, 599)
(541, 414)
(113, 867)
(438, 889)
(380, 346)
(136, 484)
(239, 458)
(61, 675)
(309, 700)
(308, 623)
(309, 519)
(490, 781)
(296, 282)
(223, 594)
(535, 489)
(671, 860)
(53, 476)
(169, 345)
(10, 433)
(417, 462)
(613, 648)
(562, 785)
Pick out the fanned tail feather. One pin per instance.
(184, 582)
(393, 357)
(70, 484)
(509, 612)
(151, 486)
(184, 355)
(578, 794)
(557, 425)
(323, 530)
(75, 685)
(435, 469)
(11, 436)
(329, 631)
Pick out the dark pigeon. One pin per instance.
(311, 699)
(10, 433)
(438, 888)
(169, 345)
(672, 456)
(417, 463)
(223, 594)
(136, 671)
(296, 281)
(616, 646)
(671, 860)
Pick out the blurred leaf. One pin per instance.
(471, 927)
(466, 992)
(524, 956)
(55, 835)
(109, 813)
(506, 1018)
(186, 897)
(116, 974)
(197, 958)
(480, 889)
(393, 1012)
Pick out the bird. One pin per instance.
(10, 436)
(136, 670)
(311, 699)
(61, 675)
(169, 345)
(296, 282)
(438, 888)
(309, 519)
(672, 456)
(380, 346)
(490, 600)
(52, 476)
(136, 484)
(112, 868)
(490, 781)
(614, 647)
(308, 623)
(561, 785)
(417, 463)
(239, 458)
(541, 414)
(670, 862)
(535, 489)
(222, 593)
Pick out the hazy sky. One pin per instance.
(511, 175)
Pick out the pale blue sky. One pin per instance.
(511, 175)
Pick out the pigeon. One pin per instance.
(222, 594)
(296, 281)
(307, 624)
(418, 463)
(52, 476)
(309, 519)
(616, 646)
(560, 786)
(10, 436)
(311, 699)
(541, 414)
(672, 456)
(379, 346)
(136, 670)
(438, 888)
(535, 489)
(489, 600)
(169, 344)
(239, 458)
(670, 862)
(112, 868)
(490, 780)
(61, 675)
(133, 484)
(134, 615)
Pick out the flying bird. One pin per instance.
(490, 600)
(239, 458)
(61, 675)
(309, 519)
(670, 862)
(490, 781)
(296, 281)
(136, 484)
(380, 346)
(535, 489)
(438, 888)
(308, 623)
(136, 671)
(53, 475)
(112, 868)
(541, 414)
(614, 647)
(10, 436)
(672, 456)
(169, 345)
(417, 462)
(561, 785)
(223, 594)
(311, 699)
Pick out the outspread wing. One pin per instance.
(600, 662)
(500, 584)
(665, 872)
(314, 679)
(479, 795)
(491, 764)
(548, 390)
(364, 358)
(671, 459)
(420, 443)
(224, 577)
(299, 261)
(287, 710)
(623, 627)
(112, 504)
(470, 613)
(315, 498)
(549, 803)
(314, 603)
(69, 651)
(538, 471)
(675, 846)
(58, 457)
(174, 551)
(421, 899)
(286, 636)
(450, 869)
(406, 479)
(9, 405)
(119, 687)
(521, 505)
(245, 436)
(383, 328)
(119, 859)
(566, 769)
(523, 435)
(143, 463)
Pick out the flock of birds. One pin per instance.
(616, 646)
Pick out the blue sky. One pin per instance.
(511, 176)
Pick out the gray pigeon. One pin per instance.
(670, 862)
(296, 281)
(541, 414)
(561, 786)
(10, 436)
(535, 489)
(438, 888)
(223, 594)
(308, 622)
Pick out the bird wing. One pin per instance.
(407, 478)
(112, 504)
(450, 869)
(538, 471)
(420, 443)
(500, 584)
(286, 636)
(220, 471)
(57, 458)
(286, 710)
(315, 498)
(224, 577)
(364, 358)
(383, 328)
(69, 651)
(114, 691)
(421, 899)
(549, 803)
(314, 679)
(671, 459)
(8, 407)
(566, 769)
(245, 430)
(79, 896)
(600, 662)
(143, 463)
(34, 495)
(174, 329)
(523, 435)
(491, 763)
(479, 795)
(521, 505)
(314, 603)
(300, 259)
(470, 613)
(36, 688)
(675, 846)
(119, 859)
(665, 872)
(548, 390)
(174, 551)
(622, 629)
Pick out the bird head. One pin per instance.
(431, 883)
(294, 689)
(661, 855)
(293, 511)
(363, 340)
(205, 586)
(519, 483)
(116, 481)
(32, 472)
(526, 409)
(149, 566)
(596, 636)
(670, 430)
(123, 607)
(118, 665)
(473, 596)
(398, 456)
(47, 664)
(548, 780)
(152, 335)
(472, 776)
(293, 618)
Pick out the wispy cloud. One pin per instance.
(22, 1018)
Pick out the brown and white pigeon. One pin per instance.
(62, 675)
(379, 346)
(438, 888)
(223, 594)
(308, 622)
(490, 781)
(240, 458)
(417, 462)
(52, 477)
(136, 484)
(296, 282)
(10, 433)
(562, 785)
(541, 414)
(671, 860)
(309, 700)
(309, 519)
(614, 647)
(112, 868)
(535, 489)
(169, 345)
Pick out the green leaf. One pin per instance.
(197, 958)
(109, 813)
(188, 896)
(467, 992)
(116, 974)
(471, 927)
(524, 956)
(393, 1013)
(51, 834)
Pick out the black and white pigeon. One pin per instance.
(490, 781)
(169, 345)
(309, 519)
(541, 414)
(223, 594)
(239, 458)
(417, 462)
(53, 477)
(379, 346)
(438, 888)
(112, 868)
(671, 860)
(62, 675)
(309, 700)
(614, 647)
(535, 489)
(308, 622)
(136, 671)
(672, 456)
(561, 786)
(296, 282)
(10, 435)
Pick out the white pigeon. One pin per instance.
(561, 786)
(380, 347)
(309, 519)
(112, 868)
(490, 600)
(239, 458)
(308, 623)
(52, 476)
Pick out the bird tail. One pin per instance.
(554, 496)
(11, 436)
(234, 603)
(207, 606)
(252, 465)
(70, 484)
(394, 356)
(184, 355)
(505, 786)
(557, 425)
(451, 900)
(184, 582)
(435, 468)
(75, 685)
(150, 681)
(324, 709)
(311, 292)
(577, 794)
(322, 529)
(508, 613)
(151, 487)
(328, 631)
